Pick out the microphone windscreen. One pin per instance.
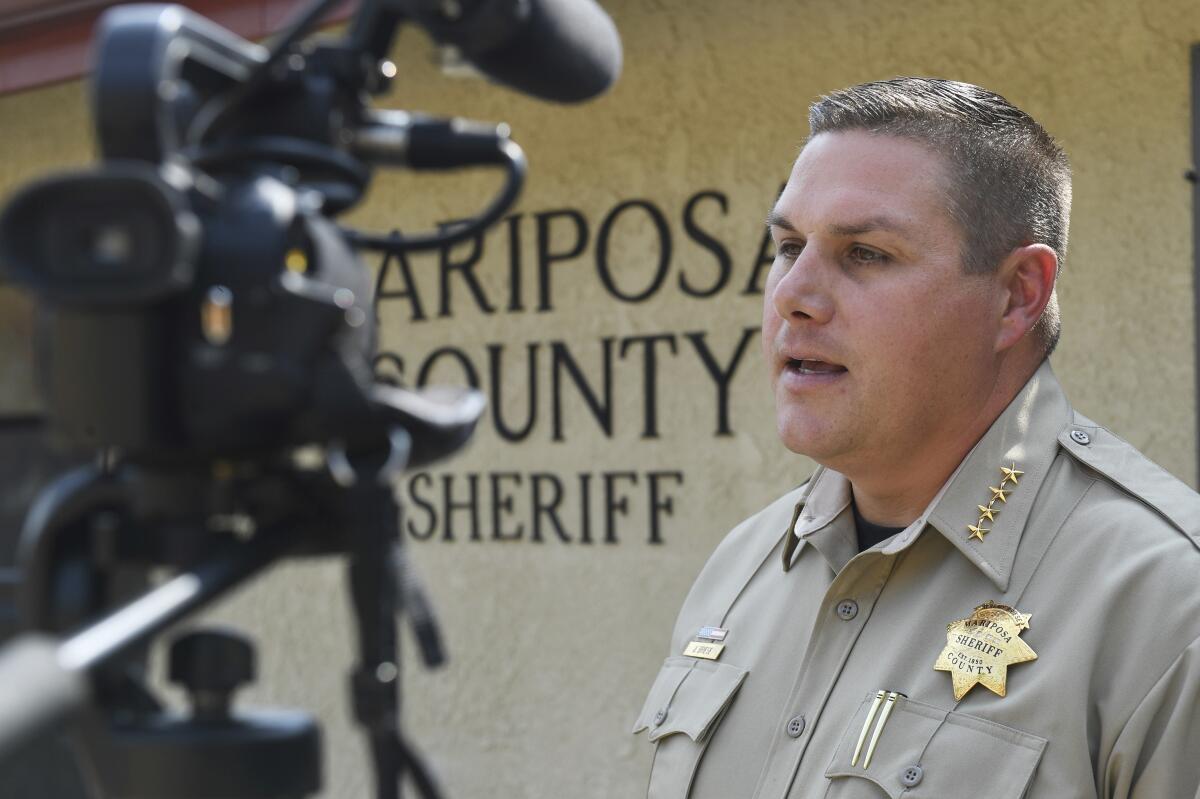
(567, 51)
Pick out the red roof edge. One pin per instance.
(55, 48)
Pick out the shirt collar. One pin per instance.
(1024, 437)
(827, 500)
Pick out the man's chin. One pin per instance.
(817, 445)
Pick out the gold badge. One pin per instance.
(703, 649)
(980, 649)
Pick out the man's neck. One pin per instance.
(891, 503)
(897, 491)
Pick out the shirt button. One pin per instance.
(660, 717)
(847, 609)
(795, 727)
(911, 776)
(1080, 437)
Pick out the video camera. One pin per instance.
(207, 331)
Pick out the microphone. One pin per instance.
(417, 141)
(562, 50)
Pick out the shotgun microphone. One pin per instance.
(562, 50)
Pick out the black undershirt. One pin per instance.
(870, 534)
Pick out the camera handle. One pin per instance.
(55, 675)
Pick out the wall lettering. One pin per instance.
(574, 388)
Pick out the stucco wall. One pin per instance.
(555, 642)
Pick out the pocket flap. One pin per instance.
(925, 751)
(687, 696)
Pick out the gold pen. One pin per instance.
(862, 736)
(883, 717)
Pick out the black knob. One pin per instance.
(211, 664)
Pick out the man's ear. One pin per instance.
(1027, 276)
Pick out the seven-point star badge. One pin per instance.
(980, 649)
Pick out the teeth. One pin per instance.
(809, 366)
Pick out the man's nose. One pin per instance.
(803, 292)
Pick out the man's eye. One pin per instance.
(866, 255)
(790, 249)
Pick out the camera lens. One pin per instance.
(84, 241)
(111, 245)
(113, 236)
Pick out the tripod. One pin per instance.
(94, 537)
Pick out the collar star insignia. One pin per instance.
(1010, 473)
(987, 513)
(979, 649)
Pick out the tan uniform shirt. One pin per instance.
(1095, 541)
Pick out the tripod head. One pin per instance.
(208, 332)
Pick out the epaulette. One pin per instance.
(1123, 465)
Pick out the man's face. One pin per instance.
(878, 345)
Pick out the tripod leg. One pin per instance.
(374, 534)
(411, 762)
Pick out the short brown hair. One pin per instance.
(1010, 181)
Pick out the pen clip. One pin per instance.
(883, 717)
(862, 736)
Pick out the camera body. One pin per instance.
(197, 299)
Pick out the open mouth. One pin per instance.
(808, 366)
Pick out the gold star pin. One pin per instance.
(1011, 473)
(980, 649)
(977, 531)
(987, 512)
(999, 494)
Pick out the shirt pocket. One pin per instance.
(926, 752)
(684, 706)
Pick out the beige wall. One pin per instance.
(554, 643)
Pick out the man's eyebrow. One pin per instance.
(776, 219)
(868, 225)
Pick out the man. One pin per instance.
(980, 593)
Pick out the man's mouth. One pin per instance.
(809, 366)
